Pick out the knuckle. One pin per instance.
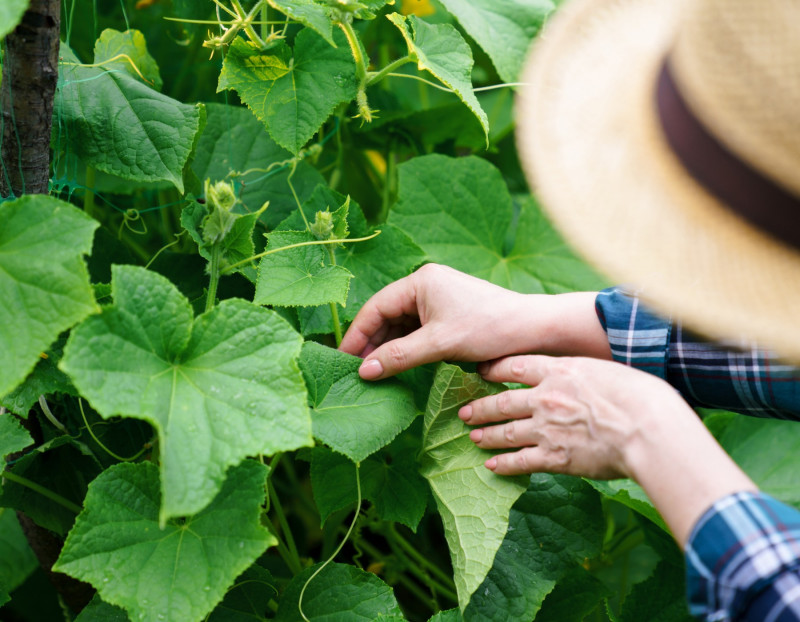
(518, 367)
(510, 432)
(504, 403)
(397, 355)
(559, 460)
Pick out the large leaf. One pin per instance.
(661, 598)
(552, 529)
(350, 415)
(473, 502)
(629, 493)
(235, 141)
(177, 572)
(44, 285)
(459, 211)
(100, 611)
(291, 91)
(338, 592)
(17, 560)
(440, 49)
(217, 388)
(300, 276)
(248, 600)
(150, 138)
(308, 13)
(503, 28)
(13, 437)
(11, 12)
(127, 52)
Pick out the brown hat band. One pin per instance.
(742, 188)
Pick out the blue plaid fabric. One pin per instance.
(743, 556)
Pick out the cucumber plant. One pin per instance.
(230, 181)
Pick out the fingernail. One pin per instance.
(476, 435)
(491, 464)
(465, 413)
(370, 370)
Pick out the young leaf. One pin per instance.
(308, 13)
(217, 388)
(235, 141)
(440, 49)
(11, 12)
(152, 135)
(629, 493)
(552, 528)
(459, 211)
(389, 480)
(338, 592)
(350, 415)
(299, 277)
(291, 91)
(473, 501)
(131, 43)
(175, 573)
(17, 560)
(660, 598)
(45, 379)
(13, 437)
(503, 28)
(44, 284)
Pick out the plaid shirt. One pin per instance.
(743, 556)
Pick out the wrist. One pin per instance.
(566, 325)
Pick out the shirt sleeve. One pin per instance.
(719, 375)
(743, 561)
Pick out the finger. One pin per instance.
(516, 433)
(394, 301)
(399, 355)
(530, 369)
(526, 460)
(513, 404)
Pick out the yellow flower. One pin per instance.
(420, 8)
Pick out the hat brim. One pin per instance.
(593, 149)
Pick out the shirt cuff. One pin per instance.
(638, 338)
(738, 548)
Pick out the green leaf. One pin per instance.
(767, 450)
(389, 480)
(552, 529)
(248, 599)
(11, 12)
(234, 141)
(451, 615)
(459, 211)
(13, 437)
(151, 137)
(661, 598)
(503, 28)
(373, 264)
(175, 573)
(63, 466)
(629, 493)
(473, 501)
(44, 284)
(100, 611)
(217, 388)
(350, 415)
(338, 592)
(131, 44)
(574, 597)
(299, 277)
(291, 91)
(45, 379)
(308, 13)
(440, 49)
(17, 560)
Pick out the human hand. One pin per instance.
(581, 416)
(438, 313)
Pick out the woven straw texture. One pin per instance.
(594, 152)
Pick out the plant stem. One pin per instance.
(394, 535)
(337, 326)
(88, 197)
(283, 551)
(216, 252)
(358, 53)
(287, 532)
(233, 266)
(45, 492)
(376, 76)
(264, 21)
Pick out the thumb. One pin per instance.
(399, 355)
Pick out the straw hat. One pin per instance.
(663, 139)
